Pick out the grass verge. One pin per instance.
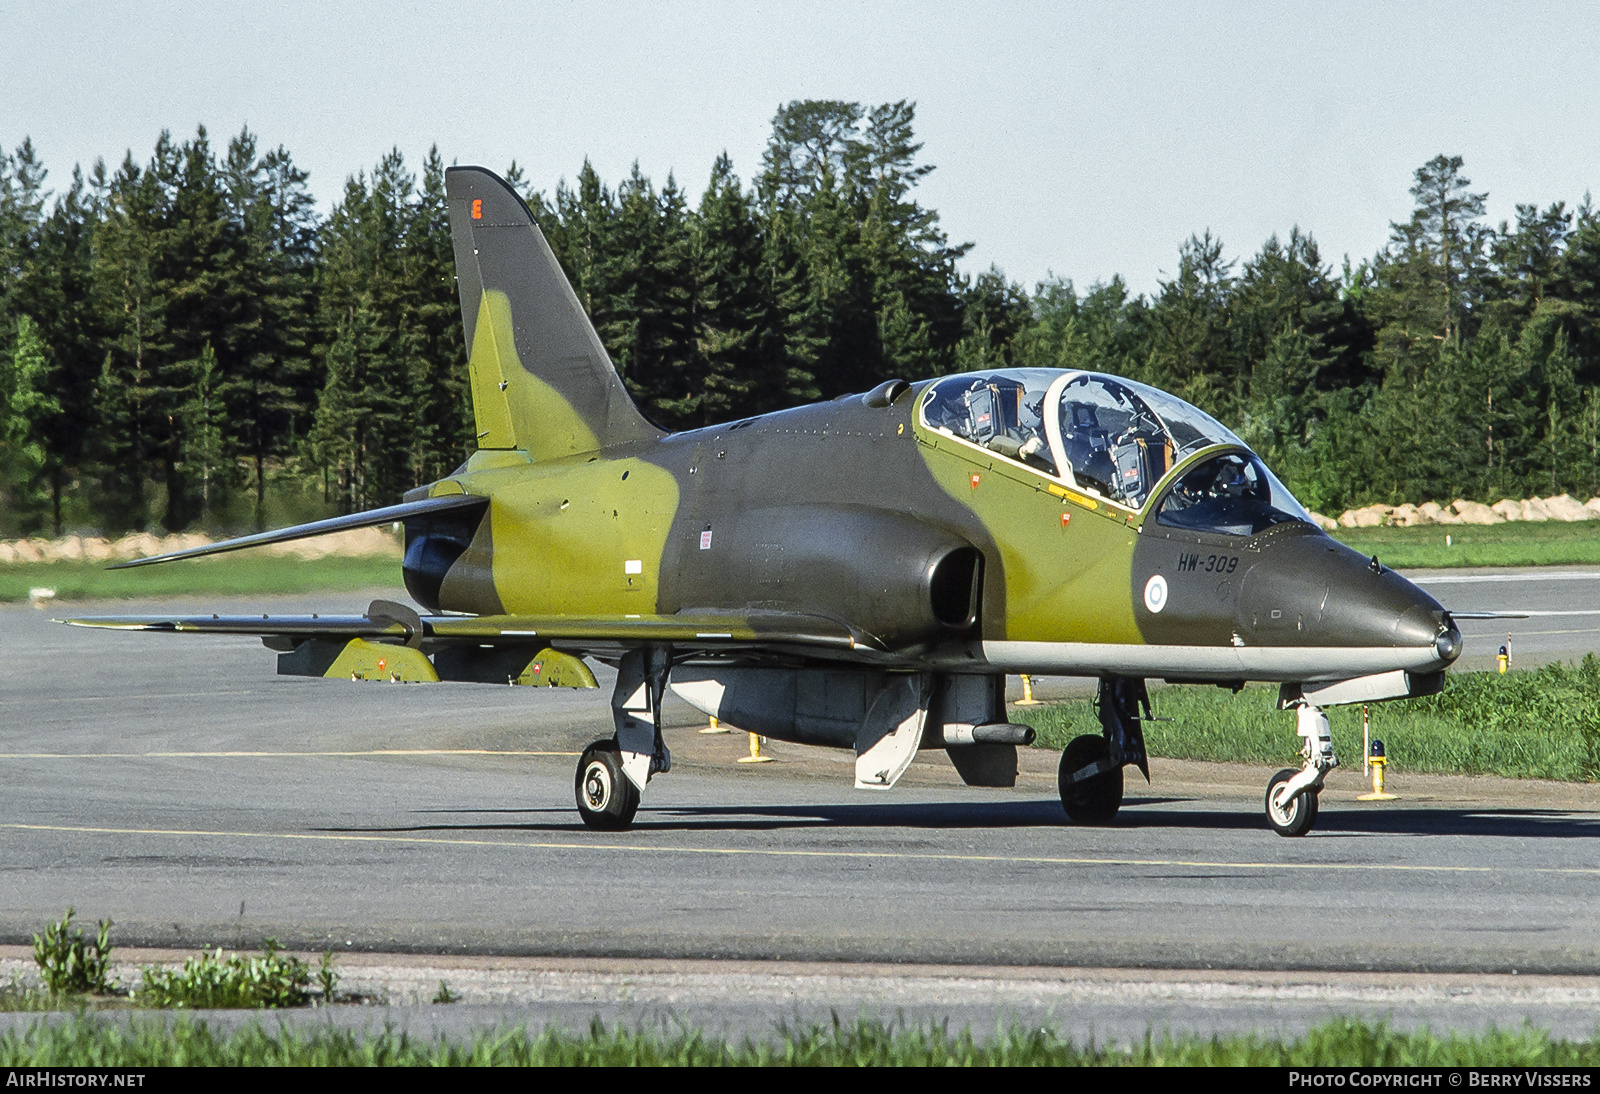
(1528, 724)
(85, 1041)
(242, 574)
(75, 972)
(1518, 543)
(210, 981)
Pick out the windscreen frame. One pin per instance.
(1193, 462)
(1158, 402)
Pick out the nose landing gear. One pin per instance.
(1291, 801)
(1290, 815)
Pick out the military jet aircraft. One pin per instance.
(858, 574)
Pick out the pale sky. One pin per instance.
(1087, 140)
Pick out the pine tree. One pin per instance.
(1578, 281)
(1191, 351)
(22, 202)
(1527, 261)
(733, 340)
(1430, 278)
(25, 411)
(61, 294)
(367, 311)
(1055, 337)
(996, 312)
(204, 418)
(267, 385)
(443, 431)
(131, 301)
(645, 276)
(917, 291)
(115, 450)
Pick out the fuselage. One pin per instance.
(949, 547)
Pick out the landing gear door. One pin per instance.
(892, 731)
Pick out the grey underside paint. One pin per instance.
(1223, 663)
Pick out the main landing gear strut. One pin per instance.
(1090, 775)
(612, 773)
(1292, 795)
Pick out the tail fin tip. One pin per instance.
(541, 378)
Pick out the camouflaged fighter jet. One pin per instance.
(858, 574)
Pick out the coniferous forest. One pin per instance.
(186, 342)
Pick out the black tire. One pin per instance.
(1094, 800)
(1300, 817)
(607, 800)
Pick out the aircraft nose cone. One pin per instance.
(1448, 643)
(1420, 624)
(1357, 605)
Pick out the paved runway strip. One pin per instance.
(180, 788)
(753, 999)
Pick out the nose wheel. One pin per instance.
(1290, 813)
(607, 799)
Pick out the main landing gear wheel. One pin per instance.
(1290, 818)
(1094, 800)
(607, 800)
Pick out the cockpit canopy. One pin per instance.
(1115, 438)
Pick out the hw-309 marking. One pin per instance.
(1213, 564)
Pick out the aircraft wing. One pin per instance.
(683, 628)
(383, 620)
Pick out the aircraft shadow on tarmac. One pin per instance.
(1042, 813)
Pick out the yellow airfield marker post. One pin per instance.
(1378, 762)
(1027, 699)
(755, 756)
(715, 728)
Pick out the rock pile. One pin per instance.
(1562, 507)
(360, 541)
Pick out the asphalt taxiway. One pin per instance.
(1562, 606)
(177, 786)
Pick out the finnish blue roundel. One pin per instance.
(1155, 593)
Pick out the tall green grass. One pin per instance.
(1528, 724)
(1518, 543)
(244, 574)
(88, 1042)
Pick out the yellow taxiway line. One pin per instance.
(926, 856)
(272, 755)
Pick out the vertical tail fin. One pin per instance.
(541, 379)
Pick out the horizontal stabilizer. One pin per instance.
(264, 626)
(701, 630)
(372, 518)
